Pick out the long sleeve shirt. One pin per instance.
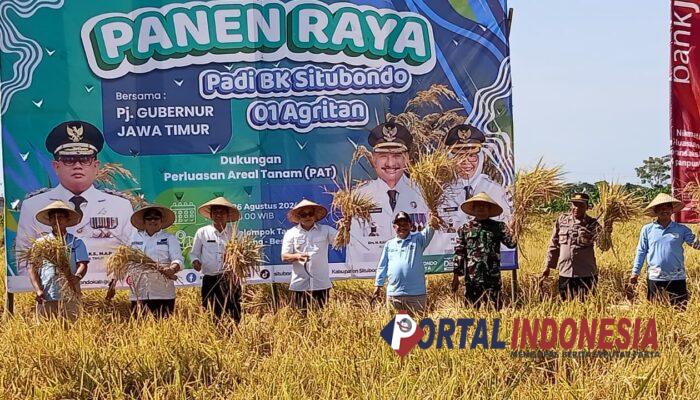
(478, 251)
(163, 248)
(402, 263)
(209, 247)
(51, 281)
(662, 249)
(316, 274)
(571, 247)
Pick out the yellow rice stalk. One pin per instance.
(242, 258)
(55, 251)
(108, 173)
(359, 153)
(533, 189)
(615, 205)
(126, 259)
(431, 96)
(348, 204)
(433, 172)
(691, 193)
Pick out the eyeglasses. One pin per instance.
(305, 214)
(72, 160)
(152, 218)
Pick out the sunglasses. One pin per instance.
(72, 160)
(151, 218)
(306, 214)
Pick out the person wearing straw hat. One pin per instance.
(661, 246)
(154, 291)
(105, 213)
(478, 251)
(47, 283)
(207, 255)
(571, 250)
(305, 246)
(392, 191)
(402, 263)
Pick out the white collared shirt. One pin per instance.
(315, 241)
(163, 248)
(209, 247)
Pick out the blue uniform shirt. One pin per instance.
(663, 250)
(50, 279)
(402, 261)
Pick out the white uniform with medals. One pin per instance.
(445, 240)
(367, 239)
(104, 226)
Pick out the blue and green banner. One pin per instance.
(264, 103)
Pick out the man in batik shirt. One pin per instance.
(478, 251)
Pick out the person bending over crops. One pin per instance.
(571, 250)
(661, 245)
(153, 290)
(57, 287)
(219, 294)
(305, 246)
(402, 262)
(478, 251)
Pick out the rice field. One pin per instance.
(338, 352)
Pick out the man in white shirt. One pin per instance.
(154, 291)
(392, 191)
(104, 213)
(207, 255)
(305, 246)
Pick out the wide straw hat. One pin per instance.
(663, 198)
(293, 214)
(494, 209)
(205, 209)
(167, 214)
(73, 216)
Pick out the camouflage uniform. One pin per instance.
(478, 259)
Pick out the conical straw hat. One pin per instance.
(494, 209)
(320, 211)
(137, 217)
(74, 217)
(205, 209)
(663, 198)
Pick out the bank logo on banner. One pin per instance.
(402, 333)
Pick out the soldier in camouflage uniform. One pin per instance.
(478, 251)
(571, 250)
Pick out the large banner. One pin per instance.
(685, 100)
(262, 102)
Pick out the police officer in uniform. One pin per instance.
(105, 213)
(392, 192)
(466, 141)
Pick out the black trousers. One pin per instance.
(478, 294)
(157, 308)
(577, 287)
(315, 298)
(675, 291)
(220, 296)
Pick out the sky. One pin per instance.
(590, 85)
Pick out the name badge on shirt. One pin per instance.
(136, 243)
(163, 241)
(211, 241)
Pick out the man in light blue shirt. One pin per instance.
(58, 292)
(661, 245)
(402, 263)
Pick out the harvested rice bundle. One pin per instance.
(691, 193)
(348, 204)
(126, 259)
(433, 172)
(108, 173)
(53, 250)
(615, 205)
(533, 189)
(242, 258)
